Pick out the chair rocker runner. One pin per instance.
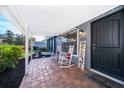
(65, 61)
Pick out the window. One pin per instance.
(64, 43)
(69, 39)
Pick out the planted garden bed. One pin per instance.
(12, 64)
(11, 78)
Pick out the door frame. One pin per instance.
(91, 54)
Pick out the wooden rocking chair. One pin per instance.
(65, 61)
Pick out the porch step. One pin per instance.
(104, 81)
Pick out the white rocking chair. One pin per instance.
(65, 61)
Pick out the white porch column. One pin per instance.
(31, 47)
(26, 49)
(78, 44)
(53, 45)
(78, 41)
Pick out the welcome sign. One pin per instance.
(82, 54)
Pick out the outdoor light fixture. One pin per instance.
(81, 32)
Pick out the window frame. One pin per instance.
(77, 40)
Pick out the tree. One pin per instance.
(33, 40)
(9, 37)
(20, 40)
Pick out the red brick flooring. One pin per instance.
(46, 73)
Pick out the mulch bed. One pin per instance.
(12, 78)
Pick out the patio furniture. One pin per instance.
(65, 61)
(36, 54)
(46, 54)
(60, 57)
(55, 55)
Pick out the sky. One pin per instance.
(39, 38)
(5, 25)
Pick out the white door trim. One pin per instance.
(107, 76)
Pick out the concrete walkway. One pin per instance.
(46, 73)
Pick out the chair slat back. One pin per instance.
(71, 49)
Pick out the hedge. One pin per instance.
(9, 55)
(41, 49)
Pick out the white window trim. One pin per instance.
(72, 31)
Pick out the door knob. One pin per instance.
(94, 48)
(93, 44)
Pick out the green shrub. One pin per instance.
(42, 49)
(9, 55)
(35, 48)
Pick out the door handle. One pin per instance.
(93, 44)
(94, 48)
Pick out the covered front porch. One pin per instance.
(46, 73)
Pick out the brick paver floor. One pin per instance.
(46, 73)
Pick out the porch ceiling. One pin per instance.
(53, 20)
